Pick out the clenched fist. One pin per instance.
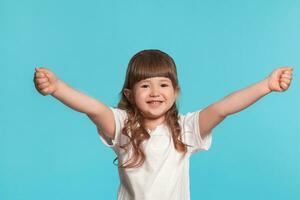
(45, 81)
(280, 79)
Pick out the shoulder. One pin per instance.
(120, 117)
(189, 118)
(119, 112)
(191, 132)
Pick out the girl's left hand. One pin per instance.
(280, 79)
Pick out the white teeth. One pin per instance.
(154, 102)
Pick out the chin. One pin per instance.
(156, 115)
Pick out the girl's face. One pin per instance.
(154, 96)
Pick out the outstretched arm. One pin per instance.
(279, 80)
(98, 112)
(46, 83)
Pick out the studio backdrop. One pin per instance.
(51, 152)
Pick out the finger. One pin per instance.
(45, 90)
(286, 80)
(37, 74)
(41, 69)
(44, 70)
(41, 80)
(43, 85)
(287, 72)
(40, 74)
(284, 85)
(286, 75)
(286, 68)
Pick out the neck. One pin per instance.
(153, 123)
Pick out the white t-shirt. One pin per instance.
(163, 175)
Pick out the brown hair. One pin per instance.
(146, 64)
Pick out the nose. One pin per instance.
(154, 92)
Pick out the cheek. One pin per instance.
(171, 95)
(173, 98)
(139, 97)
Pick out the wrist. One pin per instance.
(57, 87)
(265, 86)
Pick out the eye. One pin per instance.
(144, 86)
(164, 85)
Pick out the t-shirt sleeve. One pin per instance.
(191, 133)
(119, 117)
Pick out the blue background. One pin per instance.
(49, 151)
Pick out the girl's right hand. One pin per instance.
(45, 81)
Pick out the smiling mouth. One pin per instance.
(154, 102)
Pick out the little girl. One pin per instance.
(152, 141)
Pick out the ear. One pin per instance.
(127, 93)
(176, 92)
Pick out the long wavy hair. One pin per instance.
(146, 64)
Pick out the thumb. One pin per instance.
(40, 68)
(286, 68)
(43, 69)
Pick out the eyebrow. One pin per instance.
(161, 80)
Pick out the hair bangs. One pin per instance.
(152, 65)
